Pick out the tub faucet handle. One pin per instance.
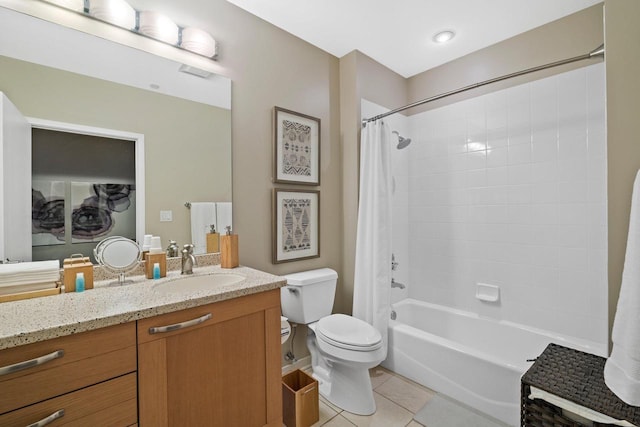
(394, 264)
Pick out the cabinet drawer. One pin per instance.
(111, 403)
(76, 361)
(205, 315)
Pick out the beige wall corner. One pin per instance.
(622, 33)
(378, 84)
(349, 136)
(360, 77)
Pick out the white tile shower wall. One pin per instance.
(510, 189)
(400, 209)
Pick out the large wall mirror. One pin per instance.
(66, 80)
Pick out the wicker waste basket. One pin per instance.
(300, 406)
(577, 377)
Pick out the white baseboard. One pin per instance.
(303, 364)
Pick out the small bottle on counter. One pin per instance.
(74, 265)
(151, 261)
(80, 282)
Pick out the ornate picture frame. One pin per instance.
(296, 147)
(296, 225)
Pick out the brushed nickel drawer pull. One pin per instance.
(182, 325)
(5, 370)
(51, 418)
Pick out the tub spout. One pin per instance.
(395, 284)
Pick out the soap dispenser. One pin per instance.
(213, 240)
(229, 250)
(173, 250)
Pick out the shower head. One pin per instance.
(402, 141)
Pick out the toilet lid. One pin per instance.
(348, 332)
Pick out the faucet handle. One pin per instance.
(187, 247)
(394, 264)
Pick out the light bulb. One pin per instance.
(116, 12)
(443, 36)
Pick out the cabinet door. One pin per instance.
(15, 183)
(222, 372)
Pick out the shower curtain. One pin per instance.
(372, 281)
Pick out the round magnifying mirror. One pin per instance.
(119, 255)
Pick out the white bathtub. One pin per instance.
(475, 360)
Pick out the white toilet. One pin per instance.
(342, 348)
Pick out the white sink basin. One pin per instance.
(198, 283)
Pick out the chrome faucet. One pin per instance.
(188, 259)
(395, 284)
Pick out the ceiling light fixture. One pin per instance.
(198, 41)
(116, 12)
(147, 23)
(158, 26)
(76, 5)
(443, 36)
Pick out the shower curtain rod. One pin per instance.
(597, 52)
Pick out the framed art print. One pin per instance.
(297, 148)
(296, 225)
(47, 212)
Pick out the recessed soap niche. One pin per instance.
(488, 293)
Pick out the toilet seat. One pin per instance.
(348, 333)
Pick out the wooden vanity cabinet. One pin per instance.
(89, 377)
(221, 367)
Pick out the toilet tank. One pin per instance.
(309, 295)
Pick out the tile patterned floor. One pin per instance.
(397, 400)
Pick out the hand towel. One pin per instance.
(622, 369)
(202, 216)
(225, 216)
(23, 273)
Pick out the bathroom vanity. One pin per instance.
(148, 355)
(223, 371)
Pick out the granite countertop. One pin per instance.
(39, 319)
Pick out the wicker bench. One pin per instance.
(574, 376)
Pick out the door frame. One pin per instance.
(136, 138)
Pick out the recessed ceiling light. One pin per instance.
(443, 36)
